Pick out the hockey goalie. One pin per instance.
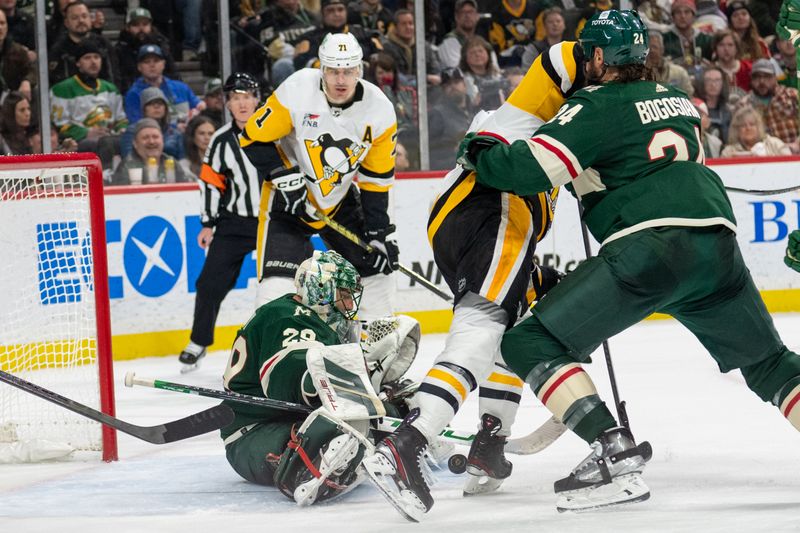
(303, 348)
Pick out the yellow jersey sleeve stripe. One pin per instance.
(373, 187)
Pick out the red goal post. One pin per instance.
(54, 320)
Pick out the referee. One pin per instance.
(230, 190)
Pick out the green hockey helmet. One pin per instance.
(324, 278)
(620, 34)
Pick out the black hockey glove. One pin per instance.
(472, 145)
(385, 253)
(290, 192)
(545, 278)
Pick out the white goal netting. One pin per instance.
(48, 332)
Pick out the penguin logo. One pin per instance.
(333, 159)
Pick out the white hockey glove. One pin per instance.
(390, 347)
(291, 195)
(385, 253)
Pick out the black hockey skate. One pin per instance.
(400, 457)
(487, 464)
(191, 361)
(610, 475)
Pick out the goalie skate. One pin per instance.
(610, 475)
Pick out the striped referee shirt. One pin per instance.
(229, 181)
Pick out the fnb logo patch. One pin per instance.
(311, 120)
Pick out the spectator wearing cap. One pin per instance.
(466, 24)
(20, 24)
(777, 104)
(334, 20)
(683, 43)
(62, 54)
(154, 105)
(215, 102)
(712, 145)
(727, 54)
(740, 21)
(400, 44)
(183, 103)
(87, 108)
(448, 119)
(139, 31)
(148, 143)
(664, 69)
(748, 137)
(17, 71)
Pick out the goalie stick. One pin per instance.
(211, 419)
(534, 442)
(355, 239)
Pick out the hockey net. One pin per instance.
(54, 315)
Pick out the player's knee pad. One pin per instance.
(320, 461)
(377, 300)
(474, 337)
(272, 288)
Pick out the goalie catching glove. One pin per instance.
(470, 148)
(385, 254)
(291, 196)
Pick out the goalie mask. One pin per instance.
(327, 283)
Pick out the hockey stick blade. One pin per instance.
(538, 440)
(206, 421)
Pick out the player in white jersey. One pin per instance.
(483, 242)
(325, 140)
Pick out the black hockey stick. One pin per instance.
(763, 192)
(534, 442)
(211, 419)
(352, 237)
(622, 413)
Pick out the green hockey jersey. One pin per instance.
(268, 359)
(631, 153)
(76, 107)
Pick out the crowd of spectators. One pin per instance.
(125, 101)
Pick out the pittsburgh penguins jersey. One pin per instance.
(511, 26)
(332, 145)
(552, 77)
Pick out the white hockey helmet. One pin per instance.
(340, 50)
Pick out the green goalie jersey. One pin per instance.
(268, 359)
(631, 153)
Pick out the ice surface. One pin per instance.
(723, 461)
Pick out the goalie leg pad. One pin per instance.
(321, 460)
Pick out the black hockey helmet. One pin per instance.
(241, 82)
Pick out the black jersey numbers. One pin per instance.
(260, 120)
